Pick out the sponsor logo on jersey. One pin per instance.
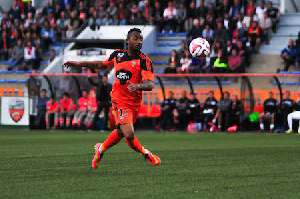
(123, 76)
(120, 55)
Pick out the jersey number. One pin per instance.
(123, 112)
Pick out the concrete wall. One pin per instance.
(6, 4)
(286, 6)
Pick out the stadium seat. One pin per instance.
(143, 111)
(158, 62)
(43, 62)
(201, 82)
(162, 44)
(160, 72)
(173, 44)
(213, 82)
(290, 83)
(170, 34)
(295, 72)
(182, 34)
(226, 82)
(284, 72)
(11, 81)
(2, 80)
(155, 111)
(9, 72)
(154, 53)
(156, 82)
(275, 83)
(5, 62)
(19, 72)
(165, 53)
(22, 81)
(160, 34)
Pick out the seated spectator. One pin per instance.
(29, 20)
(180, 18)
(228, 48)
(41, 109)
(47, 35)
(236, 112)
(39, 19)
(123, 14)
(61, 26)
(195, 32)
(139, 20)
(260, 10)
(157, 18)
(132, 13)
(202, 10)
(66, 111)
(209, 109)
(213, 54)
(116, 20)
(250, 8)
(57, 11)
(52, 108)
(270, 108)
(236, 37)
(107, 20)
(168, 106)
(112, 9)
(182, 110)
(220, 33)
(29, 56)
(4, 46)
(220, 65)
(72, 25)
(170, 16)
(15, 10)
(235, 9)
(288, 54)
(294, 115)
(208, 34)
(223, 113)
(174, 63)
(147, 11)
(243, 52)
(255, 34)
(47, 9)
(265, 25)
(274, 14)
(191, 16)
(83, 103)
(193, 109)
(239, 24)
(228, 23)
(181, 51)
(235, 62)
(185, 62)
(17, 55)
(248, 21)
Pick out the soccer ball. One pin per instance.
(199, 48)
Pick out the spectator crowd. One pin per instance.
(234, 28)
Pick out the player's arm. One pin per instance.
(147, 85)
(89, 64)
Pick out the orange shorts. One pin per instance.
(125, 113)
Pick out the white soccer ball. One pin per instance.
(199, 48)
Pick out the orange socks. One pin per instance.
(112, 140)
(136, 145)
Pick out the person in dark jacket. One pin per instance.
(182, 110)
(193, 108)
(209, 109)
(288, 54)
(223, 113)
(270, 108)
(41, 109)
(102, 98)
(167, 112)
(286, 107)
(236, 111)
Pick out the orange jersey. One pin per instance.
(52, 107)
(66, 105)
(83, 103)
(134, 69)
(93, 104)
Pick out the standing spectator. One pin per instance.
(185, 62)
(157, 18)
(223, 113)
(274, 14)
(235, 62)
(208, 34)
(17, 55)
(107, 20)
(288, 54)
(168, 106)
(112, 9)
(182, 110)
(294, 115)
(29, 56)
(66, 110)
(123, 14)
(173, 61)
(209, 109)
(170, 16)
(15, 11)
(260, 10)
(52, 108)
(4, 46)
(61, 26)
(220, 33)
(220, 65)
(47, 9)
(236, 112)
(255, 34)
(47, 35)
(41, 109)
(102, 98)
(180, 18)
(191, 16)
(235, 9)
(286, 107)
(265, 24)
(270, 108)
(72, 25)
(83, 103)
(181, 51)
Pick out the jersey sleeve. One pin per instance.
(147, 70)
(109, 61)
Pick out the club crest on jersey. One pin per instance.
(120, 55)
(133, 64)
(123, 76)
(16, 109)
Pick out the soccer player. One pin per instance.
(294, 115)
(83, 104)
(52, 112)
(270, 108)
(66, 110)
(286, 108)
(133, 74)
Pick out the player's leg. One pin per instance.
(68, 118)
(47, 121)
(296, 116)
(272, 118)
(261, 122)
(220, 115)
(80, 117)
(290, 122)
(75, 119)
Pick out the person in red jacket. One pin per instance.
(52, 113)
(91, 112)
(66, 110)
(83, 104)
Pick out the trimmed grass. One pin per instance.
(43, 164)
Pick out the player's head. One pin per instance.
(192, 96)
(43, 93)
(271, 94)
(235, 98)
(226, 95)
(184, 93)
(170, 94)
(66, 95)
(51, 99)
(287, 94)
(84, 93)
(134, 39)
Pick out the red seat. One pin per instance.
(259, 108)
(143, 111)
(155, 111)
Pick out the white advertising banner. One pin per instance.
(15, 111)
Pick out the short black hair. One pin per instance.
(133, 30)
(66, 94)
(44, 90)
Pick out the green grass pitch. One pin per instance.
(56, 164)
